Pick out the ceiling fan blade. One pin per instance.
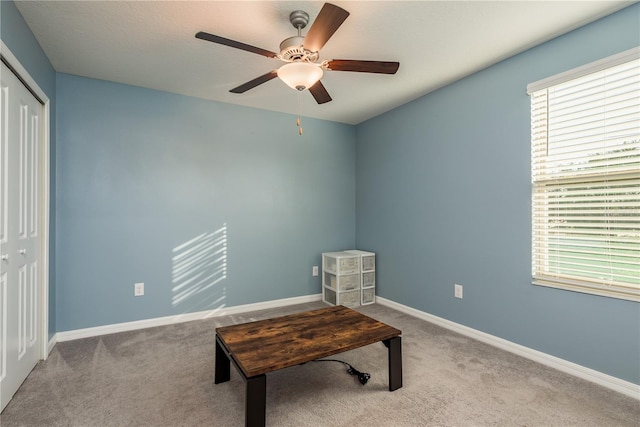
(320, 93)
(327, 22)
(232, 43)
(255, 82)
(380, 67)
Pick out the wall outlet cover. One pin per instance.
(138, 289)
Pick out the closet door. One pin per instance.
(20, 322)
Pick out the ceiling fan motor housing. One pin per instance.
(291, 50)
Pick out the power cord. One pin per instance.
(363, 377)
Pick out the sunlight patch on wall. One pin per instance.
(199, 265)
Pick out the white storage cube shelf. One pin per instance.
(348, 298)
(341, 263)
(349, 278)
(367, 259)
(345, 282)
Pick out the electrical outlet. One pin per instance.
(314, 270)
(138, 289)
(457, 291)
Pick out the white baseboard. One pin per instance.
(613, 383)
(168, 320)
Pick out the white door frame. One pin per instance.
(43, 293)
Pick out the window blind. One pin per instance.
(585, 134)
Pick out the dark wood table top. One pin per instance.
(268, 345)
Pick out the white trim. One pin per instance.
(613, 383)
(52, 342)
(22, 72)
(180, 318)
(593, 67)
(44, 249)
(24, 75)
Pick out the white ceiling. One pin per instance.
(152, 44)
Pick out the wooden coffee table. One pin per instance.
(257, 348)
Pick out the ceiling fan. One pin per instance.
(303, 69)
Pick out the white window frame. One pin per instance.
(559, 190)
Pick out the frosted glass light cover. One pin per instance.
(300, 75)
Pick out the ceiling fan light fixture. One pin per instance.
(300, 75)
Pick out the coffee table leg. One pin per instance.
(223, 365)
(256, 401)
(395, 362)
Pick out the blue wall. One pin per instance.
(146, 176)
(15, 33)
(444, 197)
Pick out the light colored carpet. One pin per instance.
(164, 377)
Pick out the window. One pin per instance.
(585, 145)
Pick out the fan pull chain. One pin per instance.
(299, 114)
(299, 95)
